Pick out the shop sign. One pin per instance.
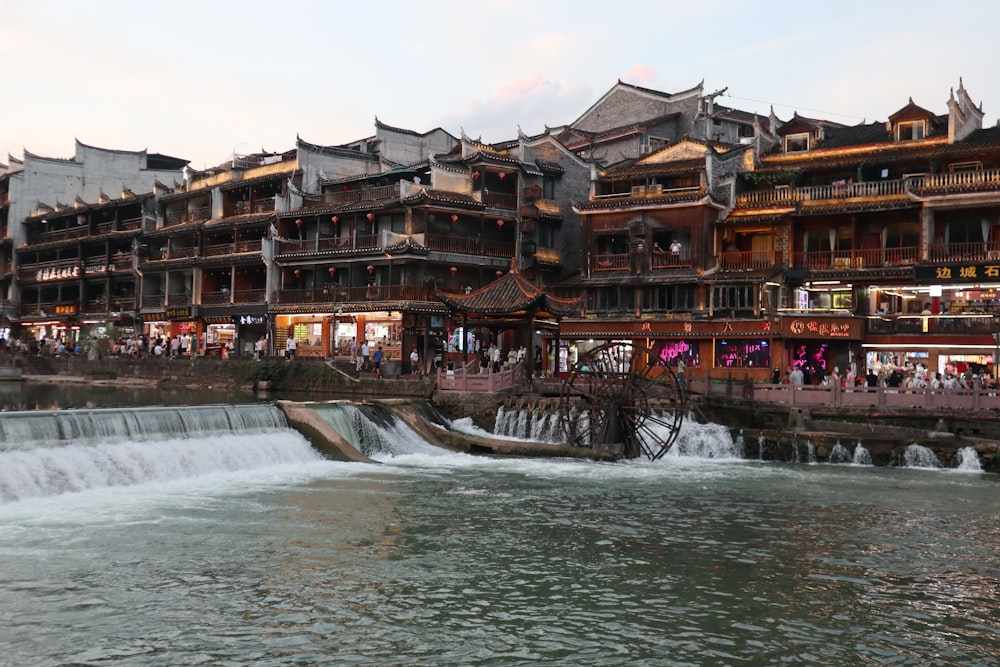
(414, 331)
(249, 319)
(821, 327)
(65, 309)
(178, 313)
(958, 272)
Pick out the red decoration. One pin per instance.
(501, 175)
(499, 224)
(332, 270)
(453, 271)
(298, 223)
(298, 273)
(370, 216)
(454, 219)
(499, 273)
(335, 219)
(371, 268)
(475, 175)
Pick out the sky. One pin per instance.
(203, 79)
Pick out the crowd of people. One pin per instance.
(908, 378)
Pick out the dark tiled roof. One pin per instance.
(625, 170)
(511, 293)
(856, 135)
(618, 203)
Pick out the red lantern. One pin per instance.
(332, 270)
(501, 175)
(454, 219)
(298, 273)
(371, 269)
(335, 219)
(370, 216)
(475, 175)
(499, 273)
(499, 224)
(298, 223)
(453, 271)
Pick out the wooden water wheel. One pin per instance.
(622, 400)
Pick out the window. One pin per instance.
(668, 297)
(910, 130)
(797, 142)
(740, 297)
(745, 130)
(548, 187)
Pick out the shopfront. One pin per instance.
(166, 324)
(711, 348)
(820, 345)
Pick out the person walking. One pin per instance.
(414, 362)
(365, 355)
(359, 358)
(377, 362)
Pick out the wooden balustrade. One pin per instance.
(957, 252)
(501, 200)
(609, 262)
(748, 260)
(670, 260)
(958, 181)
(378, 193)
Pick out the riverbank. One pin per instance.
(773, 431)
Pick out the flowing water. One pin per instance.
(242, 546)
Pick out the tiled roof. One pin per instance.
(442, 196)
(619, 203)
(511, 293)
(623, 170)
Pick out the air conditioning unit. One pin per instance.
(654, 189)
(638, 190)
(645, 149)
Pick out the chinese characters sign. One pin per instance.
(822, 327)
(981, 271)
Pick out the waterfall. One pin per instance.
(73, 468)
(26, 430)
(760, 447)
(918, 456)
(840, 454)
(375, 430)
(862, 457)
(810, 452)
(968, 459)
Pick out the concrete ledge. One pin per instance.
(322, 436)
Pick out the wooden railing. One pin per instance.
(378, 193)
(957, 252)
(671, 260)
(256, 206)
(791, 196)
(238, 247)
(250, 296)
(335, 294)
(499, 200)
(179, 299)
(216, 298)
(153, 300)
(856, 259)
(191, 215)
(959, 181)
(748, 260)
(62, 234)
(609, 262)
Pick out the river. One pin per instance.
(212, 546)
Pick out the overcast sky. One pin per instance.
(201, 80)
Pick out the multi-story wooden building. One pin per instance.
(72, 244)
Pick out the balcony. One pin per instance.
(610, 262)
(175, 299)
(165, 253)
(824, 193)
(964, 181)
(464, 245)
(249, 296)
(963, 252)
(256, 206)
(336, 294)
(855, 259)
(239, 247)
(378, 193)
(191, 215)
(499, 200)
(749, 260)
(671, 260)
(221, 297)
(935, 324)
(61, 235)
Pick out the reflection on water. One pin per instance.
(44, 396)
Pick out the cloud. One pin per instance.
(531, 102)
(640, 73)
